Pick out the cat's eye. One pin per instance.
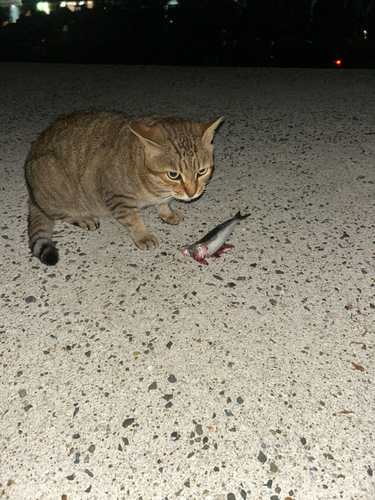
(174, 176)
(202, 171)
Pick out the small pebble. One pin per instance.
(273, 467)
(262, 457)
(30, 299)
(127, 422)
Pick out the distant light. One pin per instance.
(365, 34)
(43, 7)
(338, 62)
(71, 6)
(171, 3)
(14, 13)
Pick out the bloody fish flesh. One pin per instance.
(214, 241)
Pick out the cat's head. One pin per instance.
(178, 153)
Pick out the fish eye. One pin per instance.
(174, 176)
(202, 171)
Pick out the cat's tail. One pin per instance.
(40, 236)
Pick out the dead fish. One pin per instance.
(213, 242)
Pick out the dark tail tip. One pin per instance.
(49, 255)
(239, 216)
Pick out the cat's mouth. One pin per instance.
(186, 197)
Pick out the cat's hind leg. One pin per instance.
(168, 215)
(40, 229)
(87, 222)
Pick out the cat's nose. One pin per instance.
(190, 189)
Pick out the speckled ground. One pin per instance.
(128, 374)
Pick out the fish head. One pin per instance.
(185, 250)
(196, 252)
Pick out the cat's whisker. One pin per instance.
(213, 182)
(164, 198)
(215, 178)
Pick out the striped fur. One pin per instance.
(91, 163)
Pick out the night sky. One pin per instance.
(278, 33)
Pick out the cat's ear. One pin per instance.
(147, 135)
(208, 129)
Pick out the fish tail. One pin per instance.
(241, 217)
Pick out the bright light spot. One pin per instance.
(43, 7)
(365, 34)
(171, 3)
(338, 62)
(71, 6)
(14, 13)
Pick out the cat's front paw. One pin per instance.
(147, 242)
(174, 218)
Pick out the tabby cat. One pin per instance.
(92, 163)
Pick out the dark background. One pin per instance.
(282, 33)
